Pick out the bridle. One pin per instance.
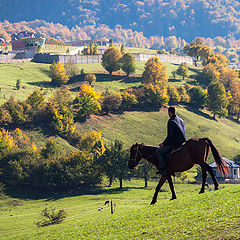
(137, 151)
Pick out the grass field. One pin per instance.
(34, 75)
(212, 215)
(150, 128)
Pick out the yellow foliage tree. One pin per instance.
(86, 102)
(58, 74)
(111, 59)
(155, 73)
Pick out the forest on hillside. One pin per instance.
(184, 18)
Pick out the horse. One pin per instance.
(193, 151)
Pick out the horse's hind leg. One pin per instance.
(161, 182)
(204, 176)
(210, 170)
(171, 187)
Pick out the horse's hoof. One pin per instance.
(152, 203)
(216, 188)
(173, 198)
(201, 192)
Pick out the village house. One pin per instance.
(234, 169)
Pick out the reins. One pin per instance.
(137, 149)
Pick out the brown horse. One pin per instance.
(194, 151)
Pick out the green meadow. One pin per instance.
(34, 75)
(212, 215)
(150, 128)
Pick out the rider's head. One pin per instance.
(171, 111)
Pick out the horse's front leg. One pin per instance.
(161, 182)
(169, 178)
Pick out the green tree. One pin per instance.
(18, 84)
(111, 59)
(128, 63)
(115, 162)
(182, 70)
(198, 97)
(110, 42)
(217, 99)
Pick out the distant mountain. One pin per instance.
(183, 18)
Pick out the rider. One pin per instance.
(176, 136)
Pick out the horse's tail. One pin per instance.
(221, 164)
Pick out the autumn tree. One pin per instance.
(217, 99)
(209, 74)
(35, 99)
(58, 74)
(234, 105)
(182, 70)
(90, 78)
(111, 102)
(60, 112)
(128, 63)
(86, 102)
(111, 59)
(155, 72)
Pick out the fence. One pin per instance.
(49, 58)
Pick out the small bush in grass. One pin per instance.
(51, 217)
(90, 78)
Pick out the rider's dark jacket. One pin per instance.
(176, 134)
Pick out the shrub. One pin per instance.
(90, 78)
(111, 102)
(51, 217)
(71, 69)
(128, 100)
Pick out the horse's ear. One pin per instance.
(141, 144)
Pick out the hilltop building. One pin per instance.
(28, 46)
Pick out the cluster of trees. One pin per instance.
(182, 18)
(113, 60)
(58, 34)
(23, 163)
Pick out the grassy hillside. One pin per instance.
(34, 75)
(212, 215)
(150, 128)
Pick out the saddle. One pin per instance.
(167, 155)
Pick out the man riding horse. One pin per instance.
(176, 136)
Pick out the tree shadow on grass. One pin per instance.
(38, 193)
(198, 112)
(44, 84)
(101, 77)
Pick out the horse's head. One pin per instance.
(135, 156)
